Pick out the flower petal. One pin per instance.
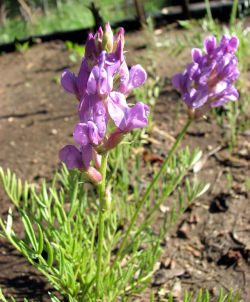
(68, 81)
(91, 108)
(137, 77)
(92, 80)
(209, 44)
(81, 134)
(82, 78)
(196, 98)
(71, 156)
(86, 152)
(137, 117)
(196, 54)
(181, 81)
(126, 118)
(117, 108)
(93, 133)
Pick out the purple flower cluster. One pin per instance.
(101, 86)
(206, 82)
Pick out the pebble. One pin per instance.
(53, 131)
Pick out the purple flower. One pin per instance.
(127, 118)
(206, 82)
(101, 85)
(92, 108)
(88, 133)
(91, 50)
(131, 79)
(100, 81)
(74, 159)
(181, 82)
(196, 98)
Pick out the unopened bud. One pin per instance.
(97, 158)
(114, 139)
(98, 39)
(92, 174)
(91, 53)
(119, 36)
(107, 39)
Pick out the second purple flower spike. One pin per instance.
(207, 81)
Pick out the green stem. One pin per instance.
(101, 192)
(150, 187)
(234, 12)
(209, 13)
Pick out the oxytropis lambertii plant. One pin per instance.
(75, 234)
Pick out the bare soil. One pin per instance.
(208, 248)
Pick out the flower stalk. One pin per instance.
(149, 189)
(101, 219)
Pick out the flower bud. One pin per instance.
(91, 53)
(97, 158)
(118, 36)
(98, 39)
(92, 174)
(107, 39)
(114, 139)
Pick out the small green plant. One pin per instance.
(21, 48)
(77, 51)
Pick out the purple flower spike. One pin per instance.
(124, 117)
(206, 82)
(101, 86)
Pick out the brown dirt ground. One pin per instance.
(208, 248)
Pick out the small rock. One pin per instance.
(183, 230)
(176, 290)
(164, 209)
(163, 275)
(166, 262)
(53, 131)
